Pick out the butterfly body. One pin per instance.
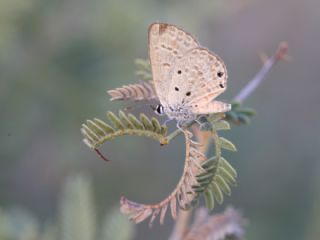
(187, 77)
(179, 113)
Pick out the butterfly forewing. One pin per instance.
(167, 44)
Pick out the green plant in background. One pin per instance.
(202, 176)
(77, 219)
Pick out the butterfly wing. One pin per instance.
(198, 78)
(211, 107)
(167, 44)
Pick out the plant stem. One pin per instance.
(178, 131)
(181, 225)
(260, 76)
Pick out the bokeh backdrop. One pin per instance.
(57, 58)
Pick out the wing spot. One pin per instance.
(221, 85)
(220, 74)
(176, 88)
(188, 94)
(179, 72)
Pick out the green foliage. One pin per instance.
(117, 227)
(77, 213)
(239, 115)
(219, 174)
(77, 219)
(96, 132)
(18, 224)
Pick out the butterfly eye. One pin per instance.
(188, 94)
(159, 109)
(220, 74)
(176, 88)
(179, 72)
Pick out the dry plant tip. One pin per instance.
(101, 155)
(282, 52)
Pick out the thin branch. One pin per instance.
(176, 133)
(281, 54)
(181, 226)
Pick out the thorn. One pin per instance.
(101, 155)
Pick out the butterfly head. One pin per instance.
(159, 110)
(177, 112)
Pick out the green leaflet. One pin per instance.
(137, 124)
(146, 122)
(217, 192)
(226, 144)
(209, 200)
(156, 125)
(221, 125)
(223, 185)
(125, 120)
(115, 120)
(227, 166)
(106, 127)
(227, 176)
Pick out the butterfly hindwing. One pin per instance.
(199, 76)
(203, 107)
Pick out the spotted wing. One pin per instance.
(167, 44)
(197, 79)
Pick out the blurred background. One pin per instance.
(58, 58)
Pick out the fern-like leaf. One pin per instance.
(96, 132)
(134, 92)
(219, 174)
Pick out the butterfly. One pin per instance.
(186, 77)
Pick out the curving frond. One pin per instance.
(96, 132)
(134, 92)
(182, 196)
(230, 223)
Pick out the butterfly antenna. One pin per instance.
(101, 155)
